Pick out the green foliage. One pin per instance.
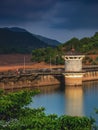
(75, 123)
(73, 43)
(88, 60)
(96, 60)
(85, 46)
(11, 105)
(53, 55)
(15, 115)
(19, 42)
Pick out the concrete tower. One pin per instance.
(73, 68)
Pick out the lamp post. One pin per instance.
(50, 64)
(56, 61)
(24, 64)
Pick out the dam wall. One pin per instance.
(17, 81)
(90, 75)
(30, 80)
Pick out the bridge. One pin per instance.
(44, 71)
(41, 77)
(90, 67)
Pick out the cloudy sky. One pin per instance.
(57, 19)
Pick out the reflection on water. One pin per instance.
(48, 89)
(74, 101)
(68, 100)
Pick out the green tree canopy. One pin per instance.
(16, 115)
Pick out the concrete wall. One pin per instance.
(73, 81)
(73, 62)
(73, 65)
(76, 80)
(25, 81)
(90, 75)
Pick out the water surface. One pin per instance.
(74, 100)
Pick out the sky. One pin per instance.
(56, 19)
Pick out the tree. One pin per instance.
(15, 115)
(12, 104)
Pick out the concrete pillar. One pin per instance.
(73, 69)
(73, 78)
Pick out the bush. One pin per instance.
(15, 115)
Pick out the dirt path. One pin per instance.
(32, 66)
(16, 61)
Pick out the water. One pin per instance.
(80, 101)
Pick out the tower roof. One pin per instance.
(73, 52)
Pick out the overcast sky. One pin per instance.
(57, 19)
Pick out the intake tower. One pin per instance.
(73, 68)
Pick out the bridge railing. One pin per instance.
(44, 71)
(90, 66)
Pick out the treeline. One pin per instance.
(48, 55)
(15, 115)
(23, 42)
(85, 45)
(54, 55)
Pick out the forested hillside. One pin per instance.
(16, 114)
(47, 40)
(17, 40)
(54, 55)
(85, 45)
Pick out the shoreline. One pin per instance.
(13, 67)
(16, 61)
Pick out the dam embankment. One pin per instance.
(11, 80)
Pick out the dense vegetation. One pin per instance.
(15, 115)
(86, 46)
(53, 55)
(48, 40)
(16, 40)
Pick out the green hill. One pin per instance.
(85, 45)
(17, 40)
(48, 40)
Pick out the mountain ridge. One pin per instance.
(48, 40)
(42, 38)
(18, 40)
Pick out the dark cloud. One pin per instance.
(50, 14)
(77, 15)
(23, 9)
(66, 13)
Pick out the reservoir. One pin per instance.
(69, 100)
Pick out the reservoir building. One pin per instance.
(73, 68)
